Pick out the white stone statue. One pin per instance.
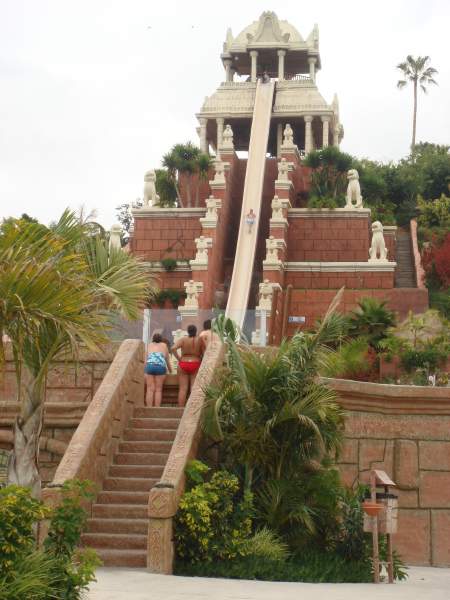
(202, 244)
(227, 138)
(283, 170)
(272, 250)
(114, 237)
(353, 190)
(211, 209)
(219, 176)
(265, 295)
(192, 290)
(151, 198)
(378, 251)
(277, 208)
(288, 136)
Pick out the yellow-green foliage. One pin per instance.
(213, 520)
(18, 514)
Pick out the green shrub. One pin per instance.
(19, 512)
(170, 294)
(169, 264)
(430, 357)
(213, 520)
(35, 578)
(265, 544)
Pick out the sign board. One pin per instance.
(296, 319)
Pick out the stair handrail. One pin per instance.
(165, 495)
(91, 449)
(418, 268)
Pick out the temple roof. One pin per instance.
(271, 32)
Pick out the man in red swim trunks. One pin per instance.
(192, 349)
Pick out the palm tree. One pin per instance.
(59, 290)
(187, 159)
(371, 320)
(275, 424)
(420, 73)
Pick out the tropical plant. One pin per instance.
(328, 180)
(188, 160)
(59, 291)
(419, 72)
(371, 320)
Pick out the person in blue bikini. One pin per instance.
(156, 368)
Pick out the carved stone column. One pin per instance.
(312, 67)
(325, 131)
(228, 74)
(219, 122)
(254, 57)
(203, 142)
(281, 55)
(308, 134)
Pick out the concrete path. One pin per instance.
(137, 584)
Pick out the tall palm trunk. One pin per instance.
(23, 464)
(414, 117)
(188, 190)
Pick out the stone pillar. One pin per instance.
(325, 131)
(281, 55)
(312, 67)
(203, 141)
(227, 63)
(336, 136)
(219, 122)
(308, 134)
(279, 139)
(254, 56)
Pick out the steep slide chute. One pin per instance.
(252, 200)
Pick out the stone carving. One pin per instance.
(353, 190)
(272, 250)
(114, 237)
(202, 244)
(277, 208)
(193, 288)
(227, 138)
(151, 198)
(219, 176)
(211, 209)
(265, 295)
(283, 170)
(378, 251)
(288, 136)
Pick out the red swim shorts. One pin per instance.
(189, 366)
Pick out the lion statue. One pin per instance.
(151, 198)
(378, 250)
(353, 190)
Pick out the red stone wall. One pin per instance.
(350, 279)
(332, 239)
(405, 431)
(165, 237)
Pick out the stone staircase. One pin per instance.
(404, 273)
(118, 527)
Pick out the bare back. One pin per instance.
(191, 347)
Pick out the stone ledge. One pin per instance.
(338, 267)
(324, 213)
(159, 213)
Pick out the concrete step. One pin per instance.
(146, 447)
(150, 472)
(128, 526)
(158, 412)
(123, 558)
(122, 497)
(143, 423)
(131, 458)
(116, 541)
(149, 435)
(120, 511)
(128, 484)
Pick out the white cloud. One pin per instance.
(94, 92)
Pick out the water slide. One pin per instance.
(253, 188)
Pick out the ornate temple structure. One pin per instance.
(259, 123)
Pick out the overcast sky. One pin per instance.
(94, 92)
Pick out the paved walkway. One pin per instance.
(137, 584)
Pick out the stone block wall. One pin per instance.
(405, 431)
(69, 391)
